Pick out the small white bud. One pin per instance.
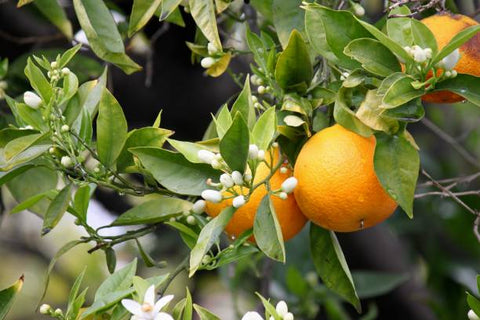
(96, 170)
(283, 170)
(65, 71)
(238, 201)
(281, 308)
(252, 315)
(419, 56)
(32, 99)
(198, 206)
(212, 195)
(211, 48)
(49, 74)
(51, 150)
(275, 144)
(247, 177)
(207, 62)
(254, 99)
(58, 312)
(428, 52)
(358, 10)
(65, 128)
(261, 90)
(288, 316)
(454, 73)
(252, 151)
(448, 74)
(172, 219)
(257, 105)
(408, 50)
(226, 180)
(66, 161)
(237, 178)
(254, 80)
(205, 156)
(54, 64)
(472, 315)
(191, 220)
(45, 309)
(289, 184)
(450, 61)
(261, 155)
(283, 195)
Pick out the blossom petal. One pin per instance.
(163, 316)
(162, 303)
(132, 306)
(252, 315)
(150, 295)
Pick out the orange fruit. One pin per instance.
(445, 26)
(289, 216)
(337, 186)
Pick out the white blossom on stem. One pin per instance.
(149, 309)
(32, 99)
(212, 195)
(289, 184)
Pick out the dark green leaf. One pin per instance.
(294, 69)
(111, 129)
(7, 297)
(28, 203)
(464, 85)
(204, 314)
(267, 230)
(401, 92)
(119, 281)
(372, 284)
(153, 211)
(142, 11)
(316, 34)
(3, 68)
(331, 265)
(234, 144)
(473, 303)
(175, 172)
(244, 105)
(346, 117)
(81, 202)
(57, 208)
(412, 111)
(55, 13)
(397, 164)
(287, 16)
(208, 236)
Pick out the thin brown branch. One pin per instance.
(417, 8)
(443, 194)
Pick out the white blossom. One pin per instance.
(66, 161)
(148, 310)
(252, 151)
(419, 56)
(281, 308)
(45, 309)
(261, 90)
(65, 128)
(212, 195)
(472, 315)
(207, 62)
(65, 71)
(261, 155)
(32, 99)
(205, 156)
(289, 184)
(237, 178)
(450, 61)
(191, 220)
(288, 316)
(198, 206)
(226, 180)
(211, 48)
(247, 177)
(252, 315)
(238, 201)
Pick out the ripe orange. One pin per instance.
(289, 215)
(445, 26)
(337, 186)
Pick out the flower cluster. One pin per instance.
(209, 61)
(281, 309)
(419, 54)
(148, 309)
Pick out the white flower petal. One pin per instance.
(281, 308)
(252, 315)
(162, 303)
(132, 306)
(289, 184)
(163, 316)
(150, 295)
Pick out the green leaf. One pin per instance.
(3, 68)
(143, 137)
(142, 11)
(234, 144)
(68, 55)
(374, 56)
(423, 37)
(57, 208)
(346, 117)
(372, 114)
(19, 145)
(457, 41)
(316, 34)
(389, 81)
(397, 164)
(188, 149)
(70, 87)
(401, 92)
(464, 85)
(412, 111)
(153, 211)
(244, 105)
(111, 129)
(269, 308)
(204, 314)
(223, 121)
(75, 300)
(188, 309)
(287, 16)
(81, 202)
(258, 48)
(294, 69)
(168, 6)
(175, 172)
(400, 30)
(264, 130)
(7, 297)
(32, 201)
(38, 81)
(267, 231)
(473, 303)
(373, 284)
(52, 10)
(203, 12)
(208, 236)
(102, 33)
(7, 176)
(119, 281)
(331, 265)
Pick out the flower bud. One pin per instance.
(211, 48)
(226, 180)
(54, 64)
(281, 308)
(254, 99)
(288, 316)
(205, 156)
(261, 155)
(358, 10)
(66, 161)
(191, 220)
(32, 99)
(275, 144)
(198, 206)
(207, 62)
(45, 309)
(261, 90)
(51, 150)
(212, 195)
(58, 312)
(257, 105)
(247, 177)
(65, 71)
(252, 151)
(283, 195)
(289, 184)
(237, 178)
(65, 128)
(419, 56)
(283, 170)
(450, 61)
(472, 315)
(216, 164)
(252, 315)
(238, 201)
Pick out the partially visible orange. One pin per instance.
(445, 26)
(289, 216)
(337, 186)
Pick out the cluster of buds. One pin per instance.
(47, 310)
(419, 54)
(258, 81)
(211, 158)
(56, 73)
(281, 308)
(209, 61)
(449, 62)
(287, 186)
(254, 153)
